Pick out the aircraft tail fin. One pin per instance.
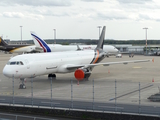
(78, 48)
(101, 39)
(40, 42)
(2, 42)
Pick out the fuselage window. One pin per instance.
(15, 63)
(21, 62)
(18, 63)
(12, 63)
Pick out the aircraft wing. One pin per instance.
(107, 63)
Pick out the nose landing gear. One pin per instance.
(22, 85)
(53, 76)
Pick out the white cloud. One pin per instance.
(21, 15)
(69, 15)
(48, 12)
(93, 0)
(36, 3)
(134, 1)
(152, 16)
(112, 15)
(13, 14)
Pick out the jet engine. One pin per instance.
(81, 74)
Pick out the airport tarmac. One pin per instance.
(127, 79)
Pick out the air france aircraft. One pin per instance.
(80, 62)
(41, 44)
(16, 48)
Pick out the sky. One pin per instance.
(79, 19)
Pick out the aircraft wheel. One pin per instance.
(49, 76)
(54, 76)
(87, 77)
(22, 86)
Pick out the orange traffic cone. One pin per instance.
(108, 71)
(153, 80)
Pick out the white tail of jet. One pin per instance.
(40, 43)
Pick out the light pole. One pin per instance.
(99, 30)
(21, 34)
(54, 35)
(146, 38)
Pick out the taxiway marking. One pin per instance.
(137, 67)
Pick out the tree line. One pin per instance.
(94, 42)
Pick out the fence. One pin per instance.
(102, 95)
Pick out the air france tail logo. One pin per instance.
(42, 43)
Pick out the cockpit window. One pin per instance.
(21, 63)
(15, 63)
(12, 63)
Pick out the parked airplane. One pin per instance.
(16, 48)
(80, 62)
(41, 44)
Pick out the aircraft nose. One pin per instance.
(7, 72)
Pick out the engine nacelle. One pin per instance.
(81, 74)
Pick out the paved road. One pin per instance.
(17, 116)
(36, 102)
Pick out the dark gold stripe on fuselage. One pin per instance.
(17, 48)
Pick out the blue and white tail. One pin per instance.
(40, 42)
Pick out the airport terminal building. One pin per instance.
(128, 48)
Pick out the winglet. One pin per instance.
(101, 39)
(153, 60)
(78, 48)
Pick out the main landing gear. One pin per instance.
(53, 76)
(22, 85)
(87, 77)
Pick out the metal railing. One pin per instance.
(90, 96)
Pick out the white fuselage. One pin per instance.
(111, 50)
(25, 49)
(45, 63)
(40, 43)
(106, 48)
